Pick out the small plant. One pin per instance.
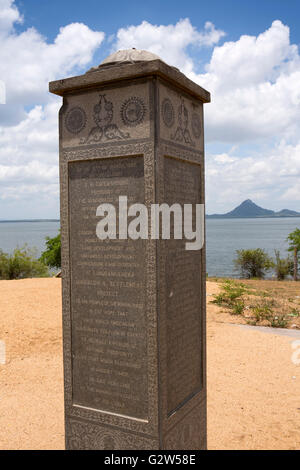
(294, 313)
(238, 307)
(230, 293)
(279, 321)
(230, 297)
(263, 311)
(219, 299)
(233, 291)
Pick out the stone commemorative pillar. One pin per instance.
(133, 310)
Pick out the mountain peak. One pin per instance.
(248, 208)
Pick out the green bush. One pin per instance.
(294, 240)
(283, 266)
(294, 246)
(253, 263)
(21, 264)
(52, 255)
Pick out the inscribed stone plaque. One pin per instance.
(133, 310)
(183, 283)
(107, 292)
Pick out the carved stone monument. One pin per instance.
(133, 310)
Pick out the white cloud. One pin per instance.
(270, 179)
(29, 138)
(28, 62)
(29, 165)
(169, 42)
(254, 83)
(255, 88)
(9, 15)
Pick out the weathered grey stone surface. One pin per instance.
(133, 311)
(129, 55)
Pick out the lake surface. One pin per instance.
(13, 234)
(223, 238)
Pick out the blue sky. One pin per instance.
(236, 17)
(245, 52)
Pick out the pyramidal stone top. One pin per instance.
(127, 64)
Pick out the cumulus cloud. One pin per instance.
(255, 109)
(9, 14)
(271, 179)
(29, 165)
(254, 81)
(28, 120)
(255, 87)
(28, 62)
(169, 42)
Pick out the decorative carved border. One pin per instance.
(83, 435)
(181, 153)
(146, 150)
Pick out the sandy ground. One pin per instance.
(253, 385)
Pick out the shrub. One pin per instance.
(294, 240)
(253, 263)
(21, 264)
(294, 246)
(52, 255)
(283, 266)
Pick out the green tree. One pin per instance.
(253, 263)
(52, 255)
(283, 266)
(21, 264)
(294, 246)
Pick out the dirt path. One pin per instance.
(253, 385)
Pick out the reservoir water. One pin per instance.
(223, 237)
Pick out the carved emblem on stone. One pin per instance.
(105, 129)
(75, 120)
(182, 133)
(133, 111)
(196, 125)
(167, 112)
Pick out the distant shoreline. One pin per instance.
(254, 217)
(207, 217)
